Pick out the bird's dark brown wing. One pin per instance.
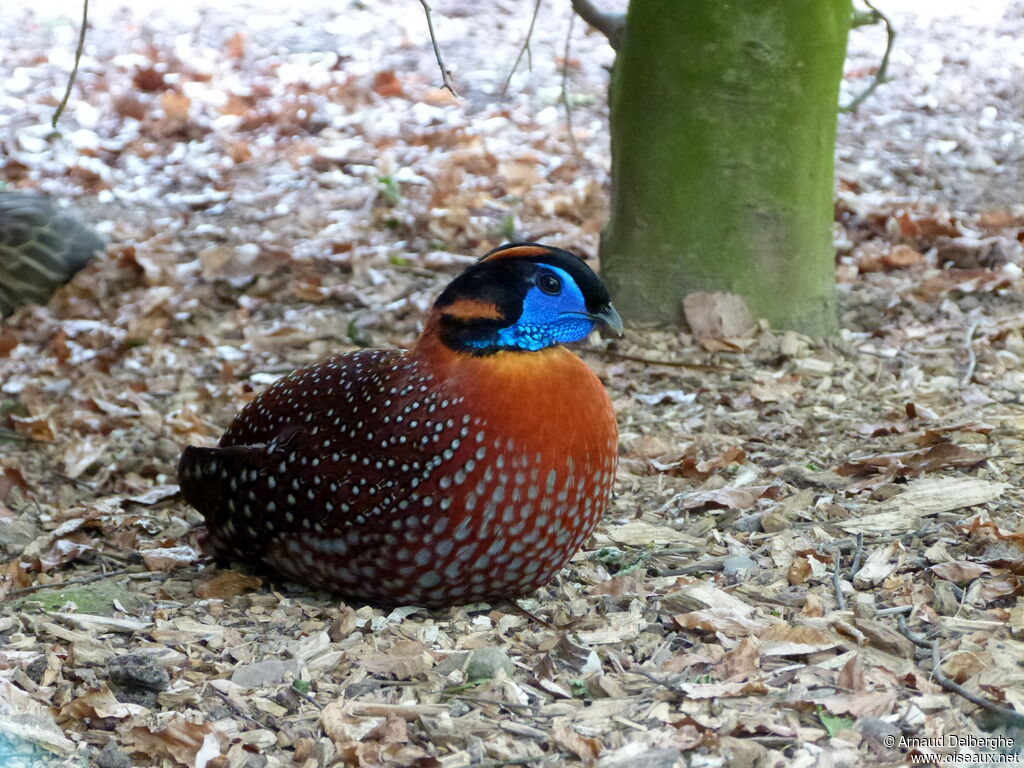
(313, 454)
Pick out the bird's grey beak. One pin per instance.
(611, 318)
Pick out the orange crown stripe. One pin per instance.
(516, 252)
(468, 309)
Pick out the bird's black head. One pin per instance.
(523, 297)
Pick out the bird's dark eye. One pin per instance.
(550, 284)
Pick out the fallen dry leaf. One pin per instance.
(99, 703)
(883, 259)
(722, 690)
(718, 320)
(224, 585)
(179, 739)
(21, 717)
(729, 623)
(788, 640)
(912, 463)
(586, 748)
(169, 558)
(851, 676)
(742, 662)
(860, 704)
(726, 498)
(960, 572)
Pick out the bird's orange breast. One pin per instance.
(548, 399)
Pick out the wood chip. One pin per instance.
(927, 496)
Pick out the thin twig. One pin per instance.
(530, 615)
(837, 579)
(74, 69)
(78, 483)
(706, 565)
(507, 705)
(1011, 717)
(972, 359)
(855, 566)
(234, 705)
(446, 74)
(564, 97)
(525, 48)
(69, 582)
(306, 697)
(611, 25)
(544, 622)
(17, 437)
(655, 679)
(516, 761)
(863, 19)
(648, 361)
(912, 636)
(883, 67)
(893, 611)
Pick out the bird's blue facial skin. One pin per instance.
(547, 318)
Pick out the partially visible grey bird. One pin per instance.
(42, 246)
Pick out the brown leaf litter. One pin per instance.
(810, 540)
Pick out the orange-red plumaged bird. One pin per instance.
(470, 467)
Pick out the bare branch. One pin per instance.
(972, 358)
(857, 555)
(446, 74)
(524, 48)
(565, 91)
(863, 19)
(74, 70)
(611, 25)
(912, 636)
(883, 67)
(1009, 716)
(69, 582)
(837, 580)
(896, 610)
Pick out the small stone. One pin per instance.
(15, 535)
(744, 753)
(738, 563)
(111, 756)
(749, 523)
(863, 605)
(813, 367)
(137, 670)
(36, 669)
(944, 601)
(486, 663)
(774, 521)
(305, 748)
(877, 730)
(263, 673)
(802, 477)
(453, 662)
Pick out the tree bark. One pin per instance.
(723, 138)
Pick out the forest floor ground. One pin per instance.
(810, 540)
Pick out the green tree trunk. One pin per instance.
(723, 125)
